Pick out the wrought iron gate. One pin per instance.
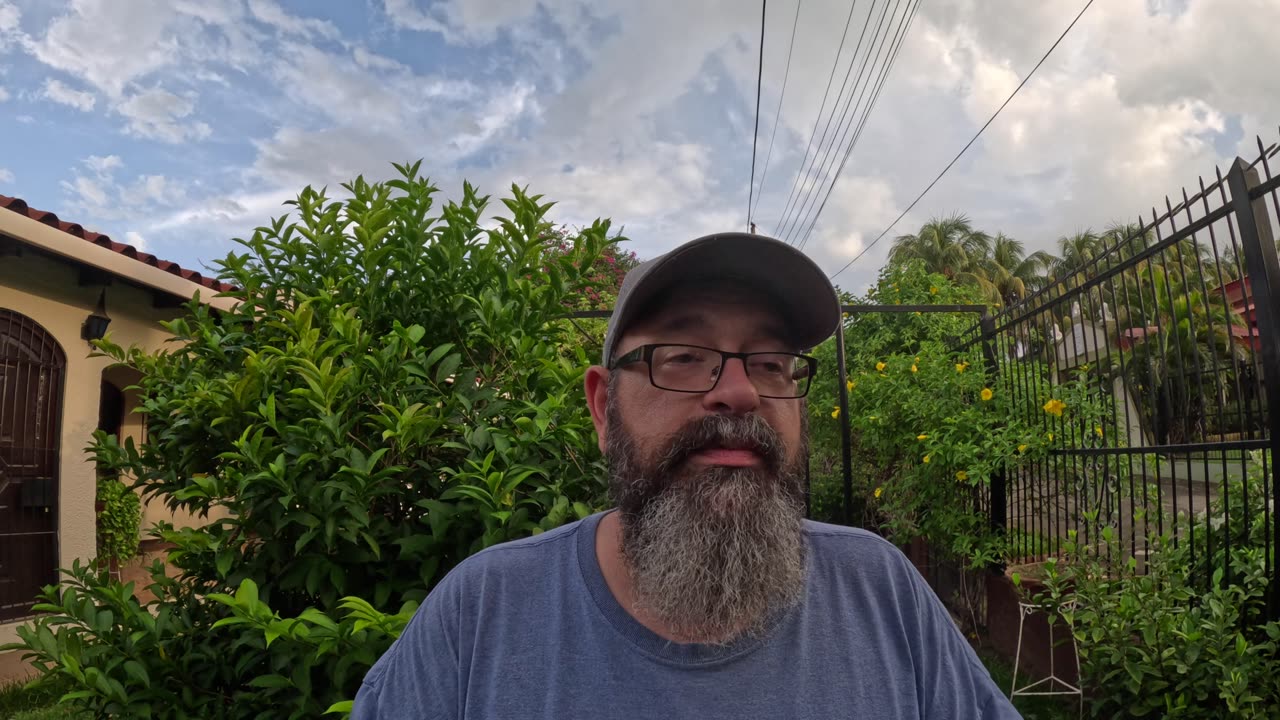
(32, 370)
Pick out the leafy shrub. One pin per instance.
(1189, 637)
(119, 520)
(395, 390)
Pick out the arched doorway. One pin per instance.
(32, 372)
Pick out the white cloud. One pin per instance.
(4, 94)
(100, 195)
(405, 14)
(56, 91)
(6, 176)
(499, 113)
(89, 193)
(111, 44)
(154, 113)
(10, 16)
(269, 12)
(373, 61)
(103, 165)
(136, 240)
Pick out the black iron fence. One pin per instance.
(1170, 334)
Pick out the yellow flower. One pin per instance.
(835, 413)
(922, 436)
(878, 491)
(1022, 448)
(926, 458)
(871, 417)
(961, 475)
(915, 369)
(961, 366)
(933, 290)
(880, 366)
(1098, 430)
(1050, 437)
(986, 394)
(918, 312)
(844, 314)
(850, 385)
(1055, 407)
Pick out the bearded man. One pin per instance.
(704, 593)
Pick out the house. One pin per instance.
(1090, 342)
(61, 285)
(1239, 294)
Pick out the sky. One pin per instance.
(178, 125)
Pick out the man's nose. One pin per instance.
(734, 392)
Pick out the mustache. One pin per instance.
(741, 432)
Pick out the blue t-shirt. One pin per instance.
(529, 629)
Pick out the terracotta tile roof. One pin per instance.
(20, 206)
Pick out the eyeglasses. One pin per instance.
(696, 369)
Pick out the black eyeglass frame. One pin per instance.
(644, 353)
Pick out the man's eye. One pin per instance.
(683, 358)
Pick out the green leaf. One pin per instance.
(135, 670)
(224, 559)
(248, 592)
(448, 367)
(271, 681)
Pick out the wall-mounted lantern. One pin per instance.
(95, 326)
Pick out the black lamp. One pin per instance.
(95, 326)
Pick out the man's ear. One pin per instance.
(596, 384)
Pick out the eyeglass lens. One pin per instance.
(695, 369)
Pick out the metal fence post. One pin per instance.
(846, 449)
(1263, 267)
(997, 507)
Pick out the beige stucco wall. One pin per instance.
(47, 290)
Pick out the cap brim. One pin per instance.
(809, 303)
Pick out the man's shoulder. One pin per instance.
(840, 538)
(532, 553)
(854, 549)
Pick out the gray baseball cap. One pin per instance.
(808, 301)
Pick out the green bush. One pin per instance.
(1189, 637)
(395, 390)
(119, 520)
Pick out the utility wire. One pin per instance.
(777, 116)
(967, 145)
(807, 173)
(764, 7)
(899, 39)
(879, 41)
(834, 64)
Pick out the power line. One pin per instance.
(898, 40)
(834, 64)
(777, 116)
(807, 172)
(876, 47)
(969, 144)
(764, 7)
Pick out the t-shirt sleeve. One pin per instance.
(417, 678)
(955, 683)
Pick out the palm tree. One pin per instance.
(952, 247)
(1013, 271)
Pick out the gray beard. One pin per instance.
(715, 554)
